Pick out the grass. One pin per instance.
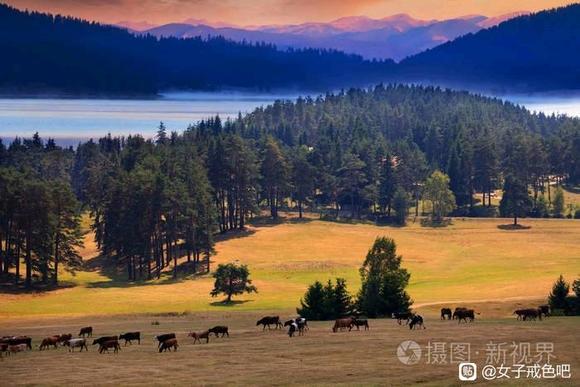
(470, 260)
(253, 357)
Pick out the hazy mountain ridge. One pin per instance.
(394, 37)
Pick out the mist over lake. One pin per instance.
(72, 120)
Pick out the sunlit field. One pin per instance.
(251, 356)
(470, 260)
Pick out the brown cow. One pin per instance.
(168, 344)
(48, 341)
(104, 347)
(17, 340)
(528, 314)
(343, 323)
(200, 335)
(16, 348)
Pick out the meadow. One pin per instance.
(471, 260)
(251, 356)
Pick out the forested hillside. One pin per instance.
(45, 53)
(539, 51)
(357, 154)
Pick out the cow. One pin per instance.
(446, 314)
(163, 337)
(302, 321)
(76, 343)
(48, 341)
(103, 339)
(105, 346)
(168, 344)
(14, 348)
(64, 337)
(86, 331)
(464, 314)
(17, 340)
(270, 320)
(400, 316)
(528, 314)
(220, 329)
(342, 323)
(545, 310)
(130, 336)
(416, 321)
(292, 328)
(359, 322)
(199, 335)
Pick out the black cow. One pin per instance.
(360, 322)
(403, 316)
(416, 321)
(220, 329)
(270, 320)
(130, 336)
(104, 339)
(163, 337)
(446, 314)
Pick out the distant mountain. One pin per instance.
(136, 26)
(539, 51)
(42, 53)
(394, 37)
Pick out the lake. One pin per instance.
(71, 120)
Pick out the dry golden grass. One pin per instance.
(471, 260)
(253, 357)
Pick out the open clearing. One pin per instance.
(253, 357)
(471, 260)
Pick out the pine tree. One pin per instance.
(558, 298)
(312, 304)
(515, 201)
(401, 206)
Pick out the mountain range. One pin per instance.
(393, 37)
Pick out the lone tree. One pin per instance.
(232, 279)
(383, 281)
(516, 201)
(438, 193)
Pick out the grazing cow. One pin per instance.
(464, 314)
(168, 344)
(48, 341)
(130, 336)
(64, 337)
(88, 331)
(302, 321)
(528, 314)
(270, 320)
(163, 337)
(105, 346)
(76, 343)
(359, 322)
(103, 339)
(292, 328)
(545, 310)
(220, 329)
(199, 335)
(403, 316)
(446, 314)
(416, 321)
(342, 323)
(17, 340)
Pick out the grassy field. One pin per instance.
(471, 260)
(253, 357)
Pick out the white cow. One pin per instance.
(76, 343)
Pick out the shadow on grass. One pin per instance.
(513, 227)
(7, 286)
(230, 303)
(428, 222)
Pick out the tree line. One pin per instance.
(362, 153)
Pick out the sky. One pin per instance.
(263, 12)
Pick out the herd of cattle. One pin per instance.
(167, 342)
